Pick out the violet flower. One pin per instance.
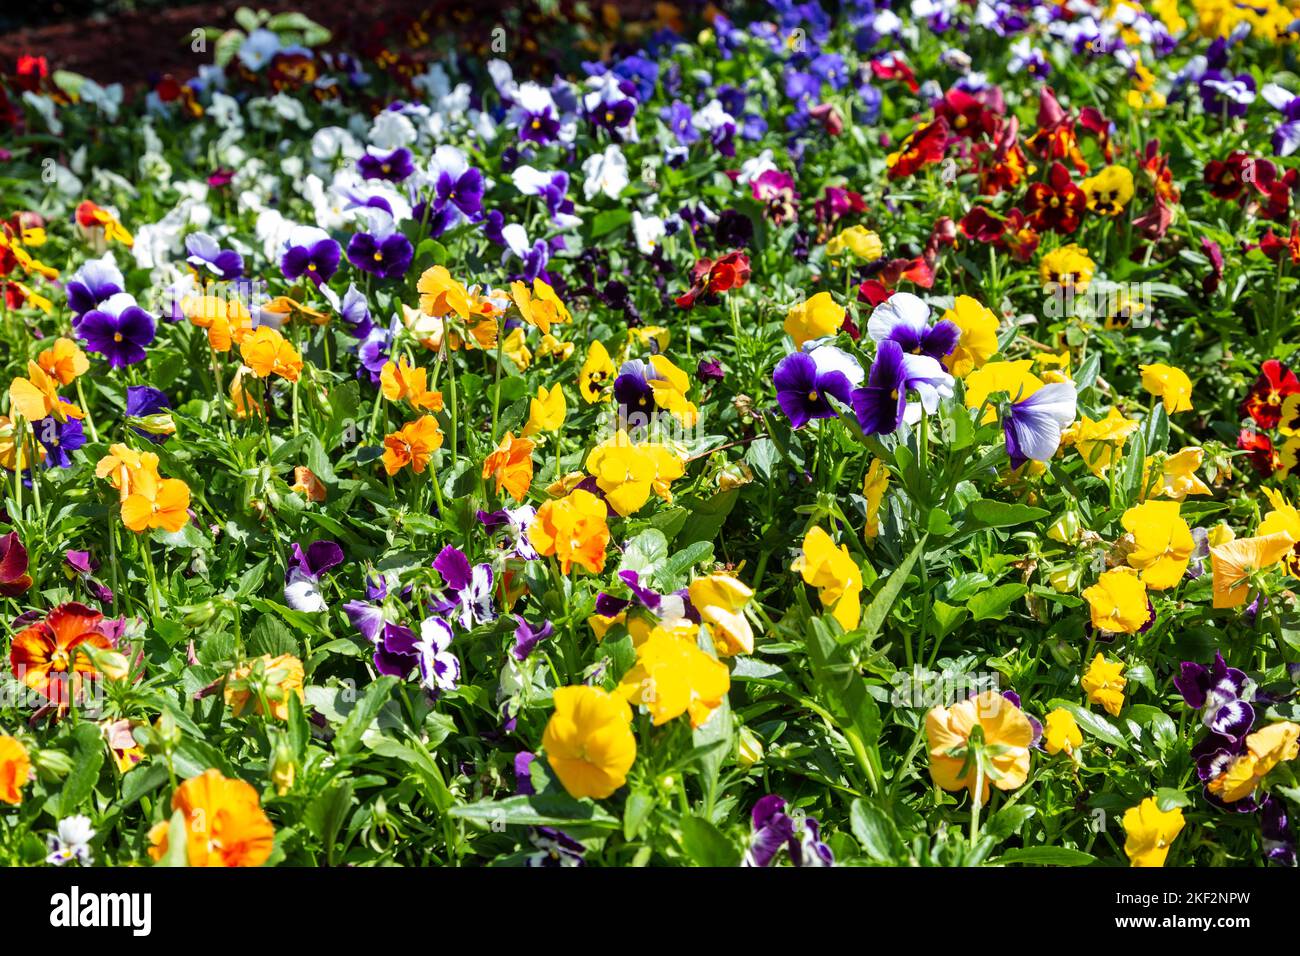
(302, 580)
(904, 318)
(804, 379)
(206, 255)
(393, 166)
(554, 849)
(1219, 693)
(118, 329)
(385, 256)
(882, 405)
(394, 644)
(58, 439)
(311, 252)
(515, 521)
(468, 595)
(439, 668)
(82, 566)
(1032, 426)
(527, 638)
(775, 829)
(96, 281)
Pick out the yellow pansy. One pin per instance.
(1069, 267)
(672, 676)
(1265, 749)
(669, 385)
(1109, 191)
(814, 318)
(1061, 732)
(515, 347)
(720, 600)
(1007, 737)
(1101, 442)
(546, 412)
(834, 573)
(859, 241)
(1118, 601)
(1235, 561)
(1170, 384)
(1176, 477)
(542, 307)
(1013, 378)
(596, 375)
(589, 741)
(1149, 831)
(1104, 685)
(1163, 542)
(979, 335)
(629, 472)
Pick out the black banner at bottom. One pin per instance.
(181, 906)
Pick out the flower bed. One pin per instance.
(777, 438)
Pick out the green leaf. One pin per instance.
(1008, 821)
(1046, 856)
(880, 606)
(987, 513)
(875, 830)
(325, 814)
(1091, 723)
(81, 780)
(361, 716)
(542, 810)
(994, 603)
(706, 845)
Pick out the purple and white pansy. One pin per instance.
(302, 590)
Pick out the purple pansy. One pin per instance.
(528, 637)
(1223, 94)
(118, 329)
(468, 593)
(206, 256)
(555, 848)
(515, 521)
(775, 829)
(1286, 138)
(1032, 426)
(311, 252)
(882, 405)
(1219, 692)
(96, 281)
(386, 256)
(904, 318)
(392, 166)
(804, 379)
(302, 579)
(439, 668)
(394, 644)
(59, 439)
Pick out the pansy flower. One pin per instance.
(439, 668)
(49, 656)
(1056, 204)
(467, 594)
(309, 251)
(1264, 401)
(882, 404)
(805, 378)
(393, 165)
(118, 329)
(207, 257)
(1220, 693)
(905, 318)
(774, 829)
(59, 439)
(96, 281)
(394, 643)
(14, 579)
(302, 589)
